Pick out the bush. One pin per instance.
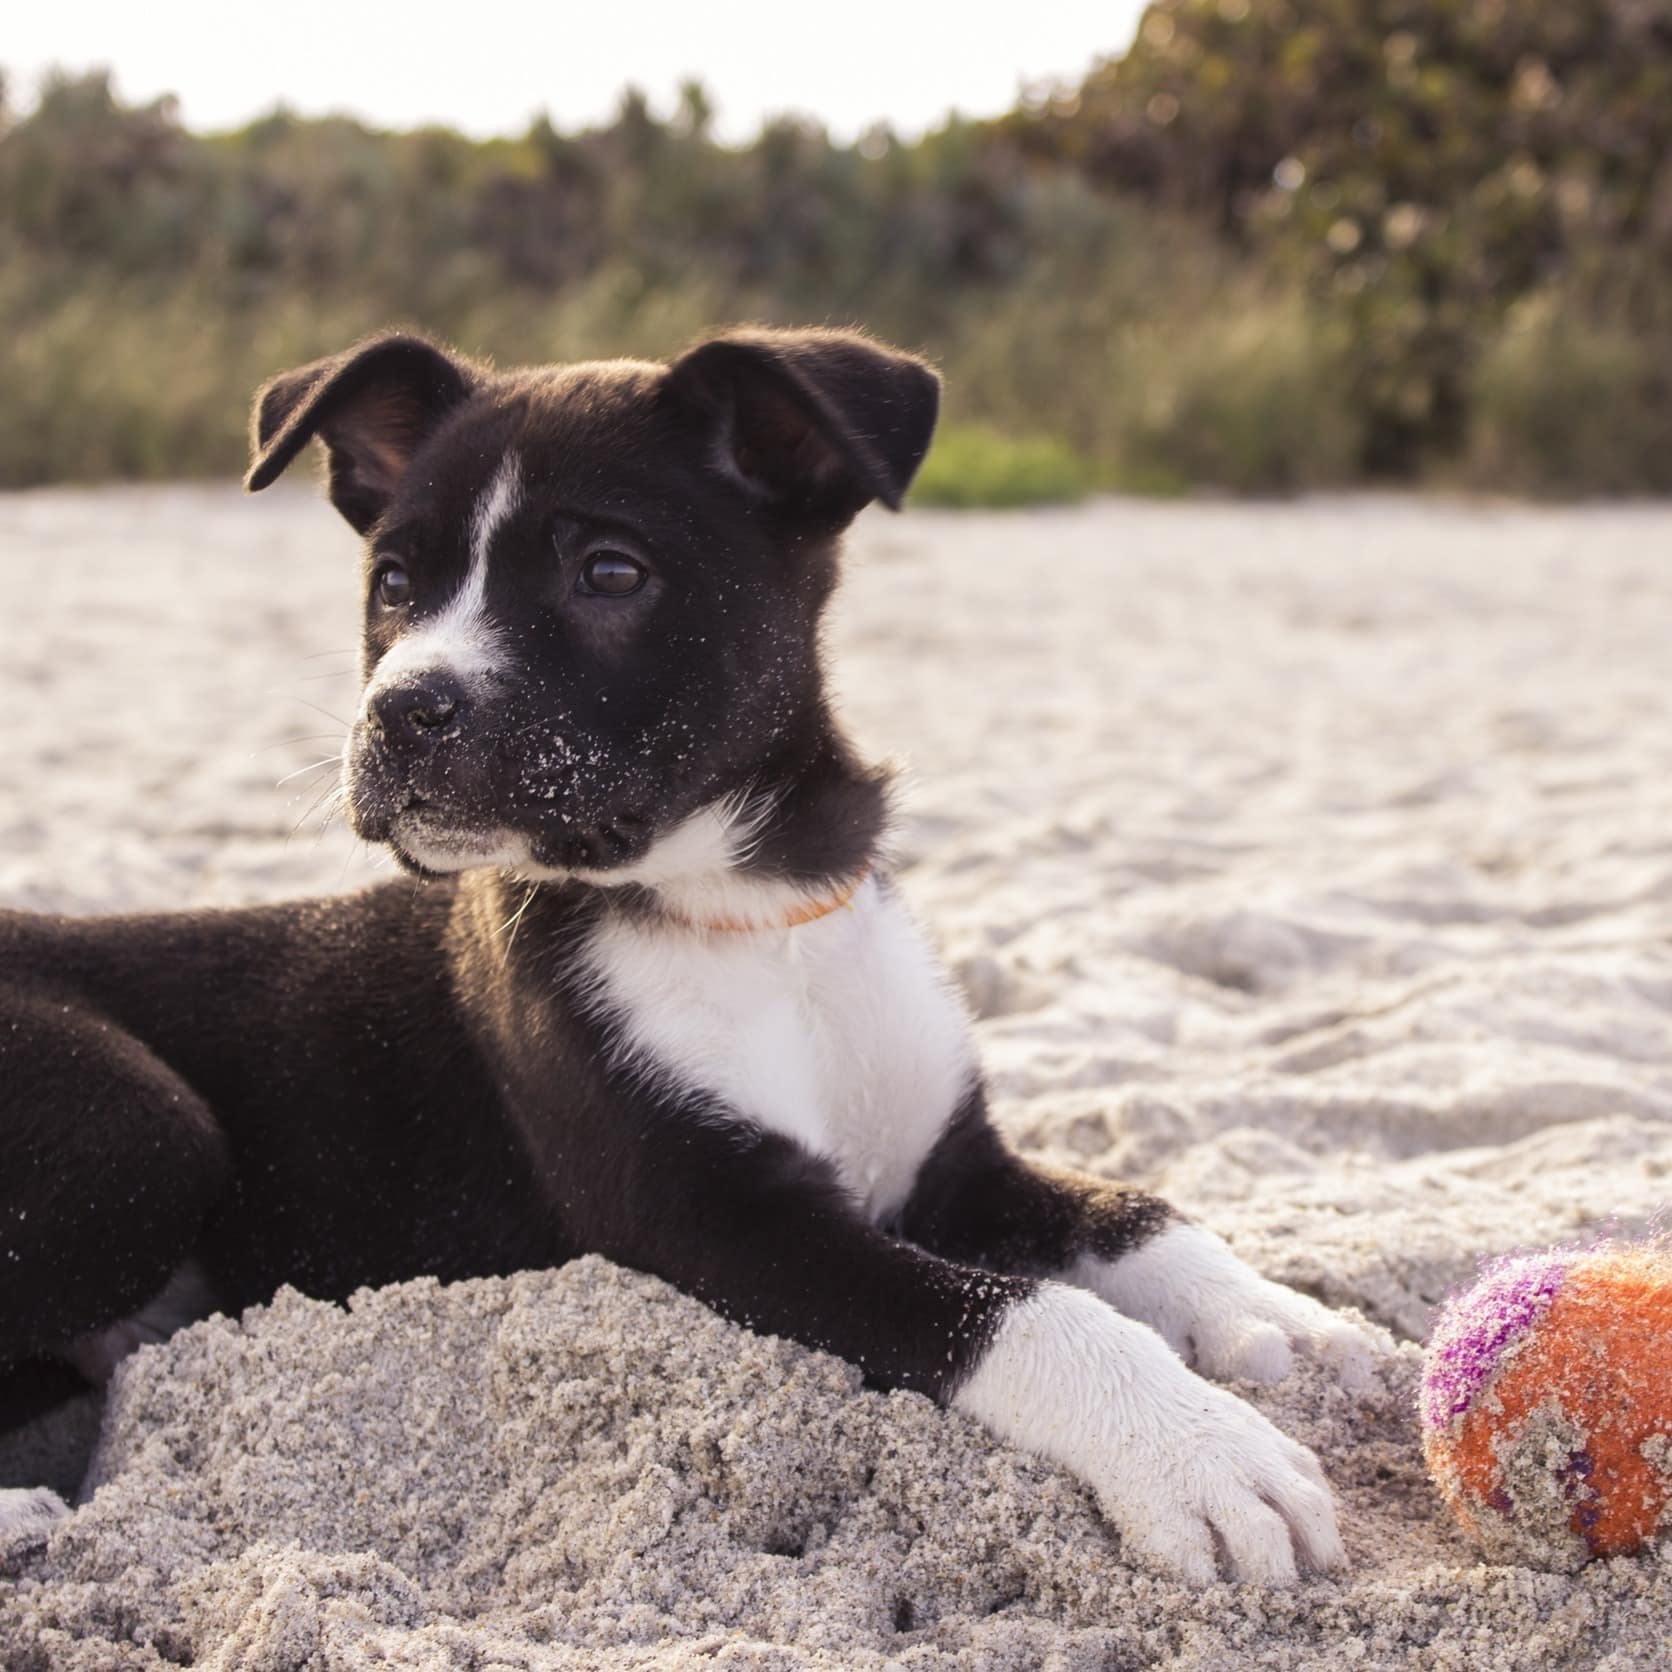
(1158, 359)
(1254, 398)
(1570, 404)
(1282, 244)
(975, 465)
(1421, 163)
(138, 379)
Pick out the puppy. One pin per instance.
(658, 998)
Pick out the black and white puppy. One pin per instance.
(659, 998)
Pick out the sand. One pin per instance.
(1309, 863)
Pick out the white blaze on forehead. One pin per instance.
(494, 504)
(459, 640)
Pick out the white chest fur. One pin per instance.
(841, 1034)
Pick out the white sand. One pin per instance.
(1311, 864)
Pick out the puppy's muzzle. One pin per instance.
(418, 712)
(428, 751)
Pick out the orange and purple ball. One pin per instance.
(1546, 1404)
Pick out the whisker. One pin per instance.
(331, 808)
(516, 917)
(307, 737)
(312, 766)
(337, 719)
(350, 851)
(328, 797)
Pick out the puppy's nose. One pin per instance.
(417, 708)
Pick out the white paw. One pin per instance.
(27, 1516)
(1197, 1481)
(1223, 1318)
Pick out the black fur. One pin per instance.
(977, 1201)
(371, 407)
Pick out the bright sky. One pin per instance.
(487, 66)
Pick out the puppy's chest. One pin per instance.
(841, 1034)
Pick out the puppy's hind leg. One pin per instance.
(27, 1517)
(109, 1165)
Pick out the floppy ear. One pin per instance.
(371, 406)
(824, 421)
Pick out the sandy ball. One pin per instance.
(1546, 1404)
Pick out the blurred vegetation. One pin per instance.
(1462, 186)
(1279, 244)
(975, 465)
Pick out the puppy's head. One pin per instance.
(592, 592)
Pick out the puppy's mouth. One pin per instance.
(428, 827)
(495, 804)
(430, 835)
(425, 842)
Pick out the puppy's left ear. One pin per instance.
(818, 421)
(372, 406)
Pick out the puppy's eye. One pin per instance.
(392, 586)
(612, 573)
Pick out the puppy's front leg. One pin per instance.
(976, 1200)
(762, 1232)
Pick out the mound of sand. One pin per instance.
(582, 1466)
(1312, 864)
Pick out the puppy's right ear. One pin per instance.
(372, 407)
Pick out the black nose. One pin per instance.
(421, 707)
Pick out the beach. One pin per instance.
(1309, 863)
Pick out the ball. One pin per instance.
(1546, 1404)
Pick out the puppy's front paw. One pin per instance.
(1223, 1318)
(1197, 1481)
(1227, 1493)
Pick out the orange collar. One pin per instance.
(809, 913)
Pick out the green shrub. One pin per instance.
(1423, 164)
(1157, 355)
(138, 380)
(1568, 404)
(1252, 397)
(1216, 265)
(975, 465)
